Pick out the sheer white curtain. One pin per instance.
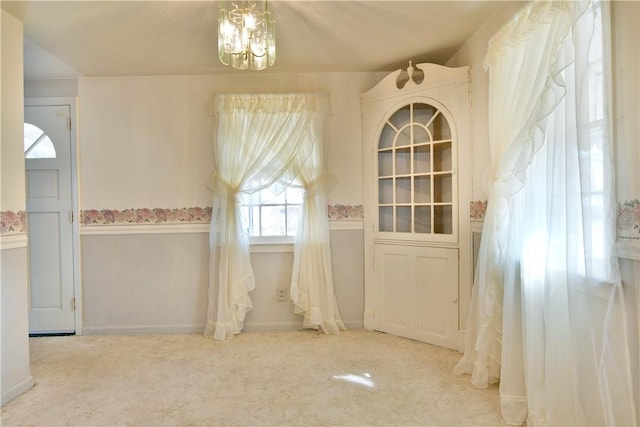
(312, 278)
(261, 139)
(547, 316)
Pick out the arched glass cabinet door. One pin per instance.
(416, 175)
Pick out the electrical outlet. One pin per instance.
(282, 294)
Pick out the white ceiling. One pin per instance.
(111, 38)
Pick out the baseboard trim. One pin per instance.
(273, 326)
(18, 389)
(369, 320)
(139, 329)
(354, 324)
(279, 326)
(198, 329)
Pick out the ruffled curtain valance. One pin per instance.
(273, 103)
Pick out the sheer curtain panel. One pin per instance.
(312, 278)
(547, 317)
(261, 140)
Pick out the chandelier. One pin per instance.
(246, 35)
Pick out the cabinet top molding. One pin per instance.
(418, 77)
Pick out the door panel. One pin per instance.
(396, 289)
(49, 207)
(416, 292)
(43, 185)
(433, 281)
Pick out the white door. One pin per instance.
(49, 218)
(416, 293)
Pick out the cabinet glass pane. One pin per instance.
(403, 190)
(386, 137)
(442, 157)
(422, 159)
(385, 163)
(404, 137)
(401, 117)
(420, 135)
(422, 189)
(442, 220)
(416, 172)
(440, 128)
(403, 161)
(403, 219)
(385, 191)
(386, 218)
(442, 191)
(422, 113)
(422, 222)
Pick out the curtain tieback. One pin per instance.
(222, 188)
(318, 185)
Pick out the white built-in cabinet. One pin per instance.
(417, 193)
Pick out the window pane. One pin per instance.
(42, 149)
(255, 220)
(31, 134)
(273, 221)
(270, 197)
(293, 217)
(246, 222)
(251, 199)
(37, 145)
(265, 213)
(294, 195)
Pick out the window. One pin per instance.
(37, 145)
(597, 147)
(272, 213)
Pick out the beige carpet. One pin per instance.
(257, 379)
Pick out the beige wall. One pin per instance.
(159, 133)
(12, 186)
(472, 53)
(159, 282)
(16, 377)
(147, 142)
(626, 109)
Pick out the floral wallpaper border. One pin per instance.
(627, 217)
(13, 222)
(345, 212)
(194, 215)
(477, 210)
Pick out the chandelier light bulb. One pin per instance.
(246, 35)
(249, 21)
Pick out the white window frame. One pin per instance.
(273, 243)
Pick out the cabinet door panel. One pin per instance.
(396, 287)
(436, 271)
(416, 289)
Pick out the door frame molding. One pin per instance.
(72, 103)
